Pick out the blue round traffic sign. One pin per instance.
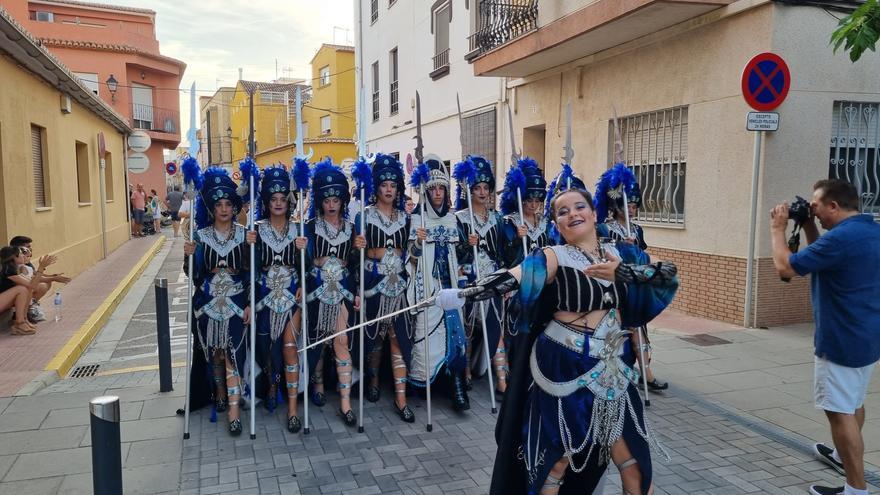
(765, 81)
(171, 168)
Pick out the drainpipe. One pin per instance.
(102, 165)
(125, 174)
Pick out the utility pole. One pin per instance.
(208, 125)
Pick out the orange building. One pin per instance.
(106, 43)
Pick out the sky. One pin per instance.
(216, 37)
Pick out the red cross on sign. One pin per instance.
(765, 81)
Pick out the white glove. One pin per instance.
(449, 299)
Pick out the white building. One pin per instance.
(423, 45)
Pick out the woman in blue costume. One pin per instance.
(486, 234)
(277, 252)
(220, 279)
(385, 279)
(610, 206)
(436, 243)
(331, 247)
(575, 406)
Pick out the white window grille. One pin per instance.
(393, 86)
(655, 146)
(855, 150)
(374, 11)
(375, 91)
(324, 74)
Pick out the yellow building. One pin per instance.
(274, 114)
(52, 185)
(328, 111)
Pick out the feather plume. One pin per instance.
(301, 174)
(248, 168)
(513, 182)
(363, 178)
(612, 185)
(421, 175)
(192, 173)
(464, 171)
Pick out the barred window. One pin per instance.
(478, 136)
(655, 147)
(855, 150)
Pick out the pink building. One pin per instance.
(106, 43)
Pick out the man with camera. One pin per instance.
(844, 264)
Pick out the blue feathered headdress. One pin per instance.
(388, 168)
(216, 185)
(248, 168)
(528, 178)
(275, 180)
(300, 174)
(610, 190)
(328, 181)
(421, 175)
(464, 171)
(363, 179)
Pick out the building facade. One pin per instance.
(431, 56)
(114, 51)
(56, 185)
(671, 72)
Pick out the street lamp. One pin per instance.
(229, 139)
(112, 86)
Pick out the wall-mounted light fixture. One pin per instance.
(112, 86)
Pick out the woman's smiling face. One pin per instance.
(574, 215)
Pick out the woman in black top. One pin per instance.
(13, 295)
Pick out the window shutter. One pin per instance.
(37, 153)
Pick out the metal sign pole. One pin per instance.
(753, 210)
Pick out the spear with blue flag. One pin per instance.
(192, 180)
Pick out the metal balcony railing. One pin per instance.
(501, 21)
(441, 59)
(150, 118)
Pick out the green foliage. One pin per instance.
(858, 31)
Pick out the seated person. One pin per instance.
(13, 295)
(45, 286)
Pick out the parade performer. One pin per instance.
(531, 223)
(387, 228)
(447, 345)
(277, 245)
(575, 406)
(220, 276)
(618, 210)
(331, 248)
(486, 234)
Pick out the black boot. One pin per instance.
(460, 401)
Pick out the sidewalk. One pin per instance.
(26, 358)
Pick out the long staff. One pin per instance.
(514, 160)
(522, 217)
(429, 289)
(253, 322)
(639, 330)
(303, 309)
(363, 316)
(482, 306)
(190, 188)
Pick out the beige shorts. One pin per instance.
(839, 388)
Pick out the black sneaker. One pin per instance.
(825, 490)
(823, 452)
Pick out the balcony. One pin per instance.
(519, 38)
(441, 65)
(157, 120)
(501, 21)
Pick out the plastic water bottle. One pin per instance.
(58, 306)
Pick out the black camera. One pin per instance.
(799, 211)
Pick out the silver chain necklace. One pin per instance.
(278, 238)
(223, 242)
(382, 218)
(330, 231)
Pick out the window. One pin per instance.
(478, 135)
(393, 76)
(655, 146)
(305, 130)
(324, 74)
(38, 156)
(325, 124)
(142, 106)
(88, 80)
(442, 16)
(41, 16)
(855, 150)
(374, 11)
(375, 91)
(82, 173)
(108, 177)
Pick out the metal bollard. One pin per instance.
(163, 330)
(106, 445)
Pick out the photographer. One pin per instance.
(844, 264)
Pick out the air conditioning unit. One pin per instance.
(66, 104)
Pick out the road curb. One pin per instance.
(65, 358)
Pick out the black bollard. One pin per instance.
(163, 330)
(106, 446)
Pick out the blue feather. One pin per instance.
(192, 173)
(363, 178)
(618, 178)
(301, 174)
(248, 168)
(464, 171)
(513, 182)
(323, 165)
(421, 175)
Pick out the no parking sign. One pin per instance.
(765, 81)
